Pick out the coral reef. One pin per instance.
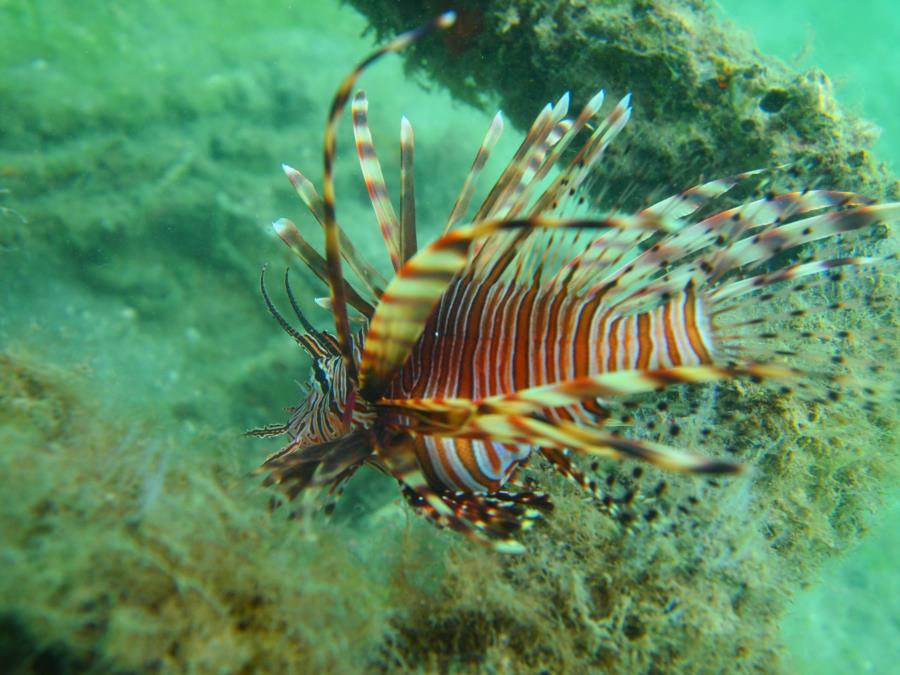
(705, 102)
(134, 350)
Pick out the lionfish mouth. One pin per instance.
(524, 329)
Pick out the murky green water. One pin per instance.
(841, 624)
(140, 146)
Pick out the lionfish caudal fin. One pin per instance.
(667, 298)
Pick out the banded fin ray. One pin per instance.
(290, 235)
(332, 231)
(484, 151)
(408, 243)
(374, 179)
(397, 455)
(563, 435)
(369, 276)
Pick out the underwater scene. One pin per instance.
(612, 391)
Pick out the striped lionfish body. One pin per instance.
(518, 329)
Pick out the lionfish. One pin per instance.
(515, 332)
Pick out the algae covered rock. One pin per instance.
(706, 104)
(122, 554)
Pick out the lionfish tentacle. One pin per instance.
(370, 277)
(374, 179)
(332, 240)
(307, 326)
(313, 342)
(408, 243)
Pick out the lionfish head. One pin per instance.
(324, 449)
(322, 414)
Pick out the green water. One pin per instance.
(852, 43)
(844, 623)
(140, 146)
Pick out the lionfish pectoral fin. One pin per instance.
(525, 430)
(688, 202)
(397, 454)
(716, 239)
(563, 465)
(616, 384)
(777, 238)
(296, 468)
(429, 416)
